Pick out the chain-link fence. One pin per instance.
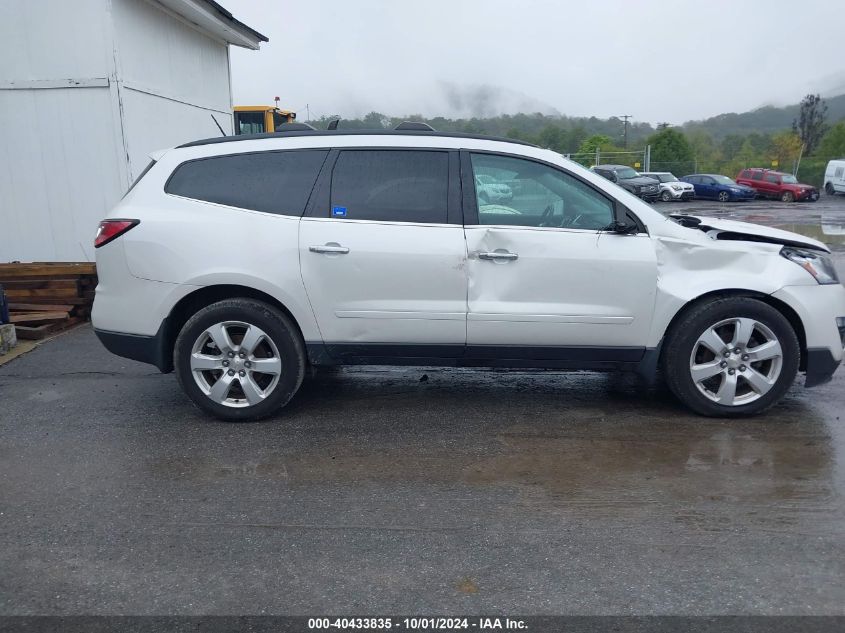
(636, 159)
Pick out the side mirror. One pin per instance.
(622, 228)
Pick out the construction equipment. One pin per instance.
(260, 119)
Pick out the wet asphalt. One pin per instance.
(418, 491)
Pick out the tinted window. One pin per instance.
(276, 182)
(757, 175)
(693, 179)
(518, 192)
(746, 173)
(772, 178)
(391, 185)
(249, 123)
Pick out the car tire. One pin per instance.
(666, 196)
(787, 196)
(715, 385)
(829, 190)
(723, 196)
(211, 348)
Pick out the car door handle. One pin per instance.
(333, 248)
(498, 255)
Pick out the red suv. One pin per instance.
(775, 184)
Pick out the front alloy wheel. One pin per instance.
(736, 361)
(730, 356)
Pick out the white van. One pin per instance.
(834, 177)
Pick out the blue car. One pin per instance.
(719, 188)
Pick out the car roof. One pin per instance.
(340, 133)
(613, 167)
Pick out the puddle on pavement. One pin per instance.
(705, 474)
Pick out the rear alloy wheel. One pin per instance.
(239, 359)
(730, 357)
(724, 196)
(787, 196)
(829, 190)
(666, 196)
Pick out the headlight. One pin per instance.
(817, 264)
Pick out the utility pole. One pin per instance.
(625, 118)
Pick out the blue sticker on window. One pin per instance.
(339, 212)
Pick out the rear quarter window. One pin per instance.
(273, 182)
(757, 175)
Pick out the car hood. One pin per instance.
(640, 180)
(719, 229)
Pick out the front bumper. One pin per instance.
(818, 307)
(820, 367)
(811, 195)
(682, 194)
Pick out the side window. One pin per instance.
(249, 122)
(838, 173)
(693, 180)
(757, 175)
(391, 186)
(772, 178)
(746, 173)
(518, 192)
(275, 182)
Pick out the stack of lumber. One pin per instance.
(47, 297)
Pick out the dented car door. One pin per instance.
(547, 279)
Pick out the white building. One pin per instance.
(88, 88)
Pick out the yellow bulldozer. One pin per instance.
(260, 119)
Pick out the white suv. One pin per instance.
(241, 261)
(670, 187)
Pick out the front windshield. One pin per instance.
(789, 180)
(665, 178)
(724, 180)
(626, 173)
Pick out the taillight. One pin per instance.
(112, 229)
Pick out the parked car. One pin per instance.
(777, 185)
(630, 180)
(719, 188)
(241, 261)
(492, 191)
(834, 177)
(670, 187)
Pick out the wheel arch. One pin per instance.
(782, 307)
(190, 304)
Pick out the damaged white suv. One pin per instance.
(241, 261)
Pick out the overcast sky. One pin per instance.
(658, 60)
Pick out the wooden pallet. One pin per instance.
(45, 298)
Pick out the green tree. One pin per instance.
(670, 150)
(553, 138)
(833, 143)
(786, 147)
(601, 142)
(810, 125)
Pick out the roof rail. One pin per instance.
(288, 131)
(414, 125)
(294, 127)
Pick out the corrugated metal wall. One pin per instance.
(81, 108)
